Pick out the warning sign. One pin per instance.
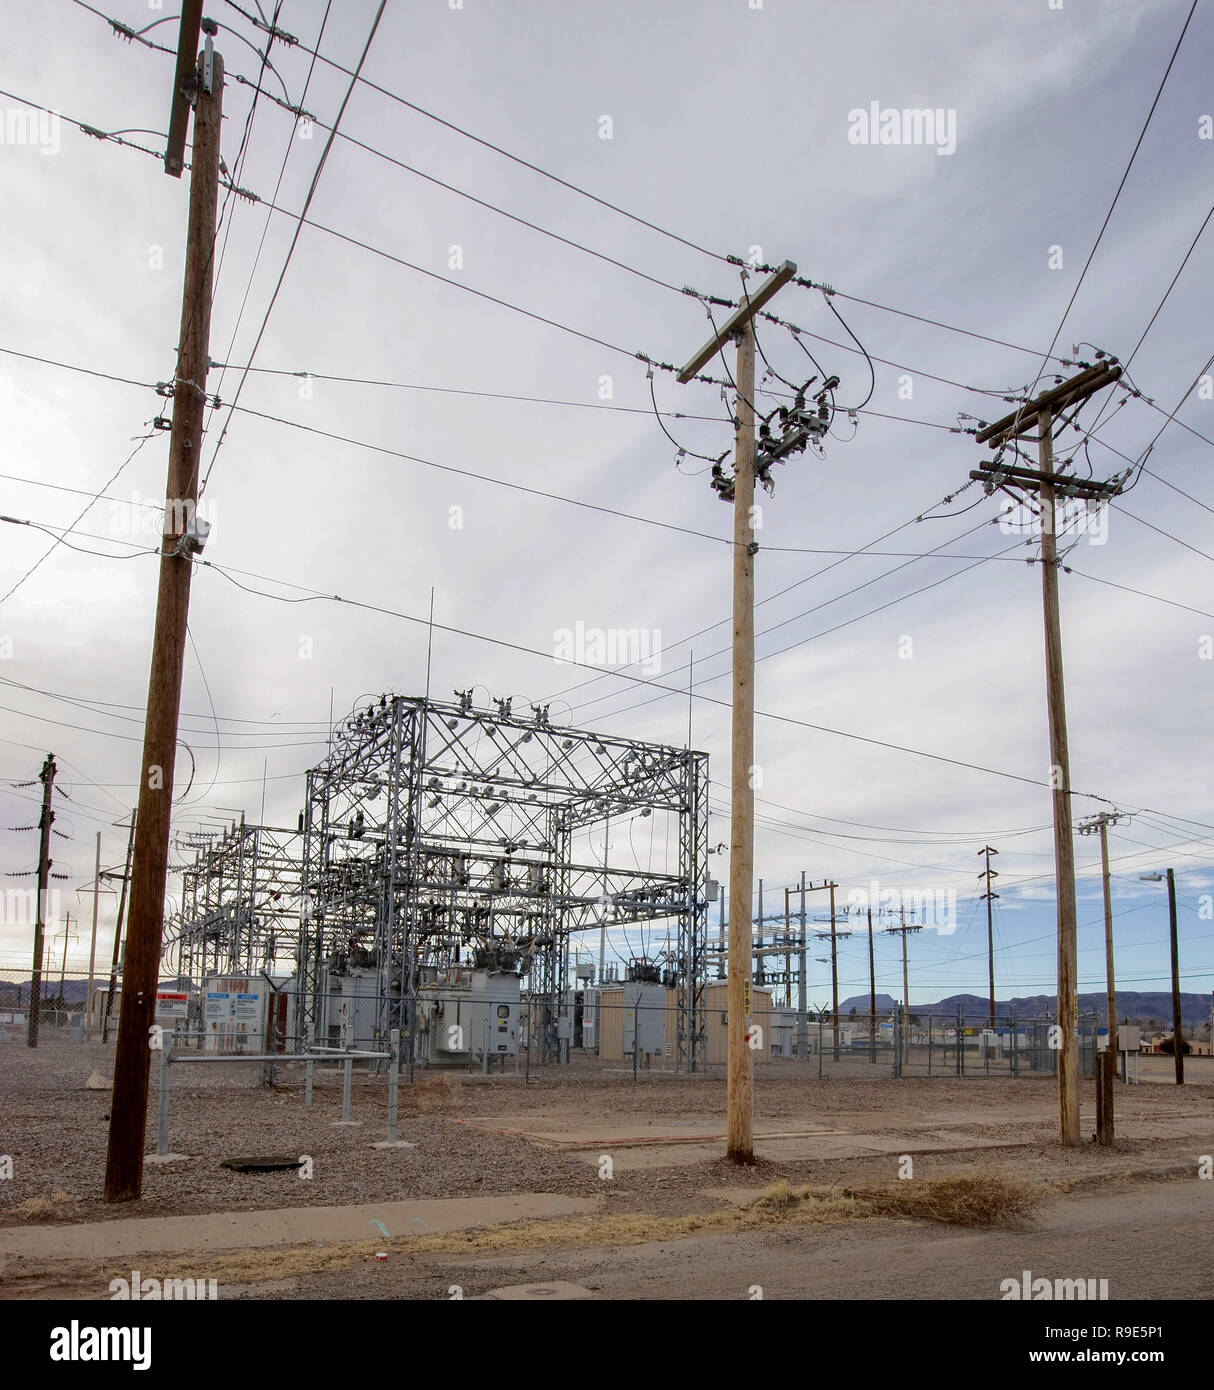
(172, 1004)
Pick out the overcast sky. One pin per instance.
(728, 125)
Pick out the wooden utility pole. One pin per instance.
(1106, 1063)
(113, 985)
(904, 931)
(834, 974)
(88, 994)
(47, 778)
(124, 1160)
(988, 873)
(1177, 1027)
(803, 985)
(834, 936)
(787, 950)
(67, 931)
(1041, 414)
(740, 1076)
(872, 994)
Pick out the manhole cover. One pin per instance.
(274, 1163)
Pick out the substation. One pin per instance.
(446, 864)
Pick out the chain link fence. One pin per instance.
(634, 1028)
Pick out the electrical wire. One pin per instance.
(1108, 215)
(80, 517)
(324, 154)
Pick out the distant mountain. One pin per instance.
(1136, 1006)
(73, 990)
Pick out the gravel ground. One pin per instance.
(55, 1131)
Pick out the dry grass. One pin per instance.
(57, 1207)
(985, 1200)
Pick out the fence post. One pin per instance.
(346, 1083)
(393, 1081)
(166, 1058)
(898, 1016)
(1015, 1046)
(819, 1047)
(960, 1043)
(308, 1070)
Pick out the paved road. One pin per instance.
(1156, 1241)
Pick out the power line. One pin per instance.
(497, 149)
(315, 595)
(723, 651)
(483, 477)
(324, 154)
(1108, 215)
(1141, 593)
(278, 184)
(80, 517)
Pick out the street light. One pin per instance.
(1177, 1033)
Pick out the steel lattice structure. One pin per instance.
(434, 830)
(240, 902)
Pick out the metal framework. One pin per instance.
(435, 833)
(240, 902)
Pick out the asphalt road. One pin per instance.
(1155, 1241)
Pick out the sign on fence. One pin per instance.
(172, 1004)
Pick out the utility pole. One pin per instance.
(988, 873)
(182, 538)
(872, 994)
(113, 985)
(834, 974)
(787, 950)
(1041, 413)
(1107, 1065)
(760, 972)
(47, 778)
(802, 985)
(67, 931)
(88, 994)
(834, 936)
(903, 931)
(1177, 1030)
(740, 1075)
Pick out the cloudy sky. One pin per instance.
(733, 128)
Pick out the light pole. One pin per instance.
(1177, 1033)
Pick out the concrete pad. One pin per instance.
(166, 1158)
(735, 1196)
(394, 1144)
(98, 1082)
(290, 1225)
(540, 1293)
(345, 1124)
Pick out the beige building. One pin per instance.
(617, 1023)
